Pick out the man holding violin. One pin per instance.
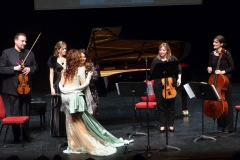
(17, 65)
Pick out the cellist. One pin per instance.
(11, 68)
(226, 66)
(164, 56)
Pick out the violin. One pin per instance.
(23, 87)
(169, 91)
(216, 109)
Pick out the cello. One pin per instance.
(216, 109)
(23, 87)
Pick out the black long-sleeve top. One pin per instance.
(8, 60)
(226, 63)
(157, 82)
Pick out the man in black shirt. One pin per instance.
(11, 67)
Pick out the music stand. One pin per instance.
(165, 70)
(203, 91)
(132, 89)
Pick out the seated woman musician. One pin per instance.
(164, 56)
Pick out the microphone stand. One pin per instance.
(148, 146)
(166, 147)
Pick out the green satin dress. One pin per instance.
(85, 134)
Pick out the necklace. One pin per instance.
(62, 62)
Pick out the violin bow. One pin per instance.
(31, 48)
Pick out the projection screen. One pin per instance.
(84, 4)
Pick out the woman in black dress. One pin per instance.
(57, 63)
(225, 124)
(93, 100)
(164, 56)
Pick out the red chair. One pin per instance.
(152, 104)
(237, 109)
(11, 120)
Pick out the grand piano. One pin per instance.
(115, 56)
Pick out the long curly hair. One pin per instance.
(73, 59)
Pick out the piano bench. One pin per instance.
(38, 107)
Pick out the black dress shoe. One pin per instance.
(29, 139)
(16, 141)
(220, 129)
(226, 131)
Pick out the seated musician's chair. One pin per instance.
(9, 120)
(152, 104)
(237, 109)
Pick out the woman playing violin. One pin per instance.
(164, 56)
(225, 124)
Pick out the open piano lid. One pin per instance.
(115, 55)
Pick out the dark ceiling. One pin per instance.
(195, 24)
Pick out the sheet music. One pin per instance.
(191, 94)
(150, 88)
(117, 88)
(189, 91)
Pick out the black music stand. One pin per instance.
(203, 91)
(132, 89)
(165, 70)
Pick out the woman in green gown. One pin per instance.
(84, 133)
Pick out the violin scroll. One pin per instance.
(223, 50)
